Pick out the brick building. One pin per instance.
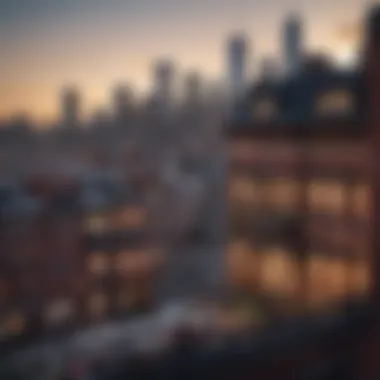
(302, 188)
(69, 258)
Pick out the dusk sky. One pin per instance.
(95, 43)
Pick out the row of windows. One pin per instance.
(277, 272)
(333, 103)
(63, 310)
(100, 263)
(126, 218)
(322, 195)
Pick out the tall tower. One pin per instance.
(70, 103)
(192, 89)
(292, 44)
(237, 57)
(164, 82)
(122, 99)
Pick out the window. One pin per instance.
(335, 102)
(97, 304)
(131, 217)
(95, 224)
(327, 278)
(59, 311)
(242, 263)
(279, 272)
(242, 190)
(361, 200)
(136, 261)
(281, 194)
(264, 109)
(360, 278)
(326, 196)
(98, 263)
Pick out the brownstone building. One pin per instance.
(302, 188)
(66, 262)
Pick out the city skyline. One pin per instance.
(95, 45)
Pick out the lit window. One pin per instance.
(131, 217)
(281, 194)
(278, 271)
(136, 261)
(241, 150)
(59, 311)
(264, 109)
(360, 278)
(98, 263)
(361, 202)
(241, 263)
(327, 279)
(335, 102)
(13, 324)
(97, 304)
(96, 225)
(326, 196)
(242, 190)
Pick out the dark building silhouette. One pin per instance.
(292, 44)
(70, 108)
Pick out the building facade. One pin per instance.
(302, 192)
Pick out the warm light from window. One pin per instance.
(278, 272)
(242, 190)
(326, 196)
(98, 263)
(280, 193)
(327, 279)
(361, 202)
(96, 225)
(241, 263)
(131, 217)
(137, 261)
(335, 102)
(360, 278)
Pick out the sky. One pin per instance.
(94, 44)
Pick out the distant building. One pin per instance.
(269, 69)
(237, 57)
(70, 107)
(192, 89)
(292, 44)
(122, 98)
(100, 118)
(164, 77)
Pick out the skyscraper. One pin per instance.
(164, 82)
(122, 98)
(70, 103)
(237, 57)
(192, 89)
(292, 44)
